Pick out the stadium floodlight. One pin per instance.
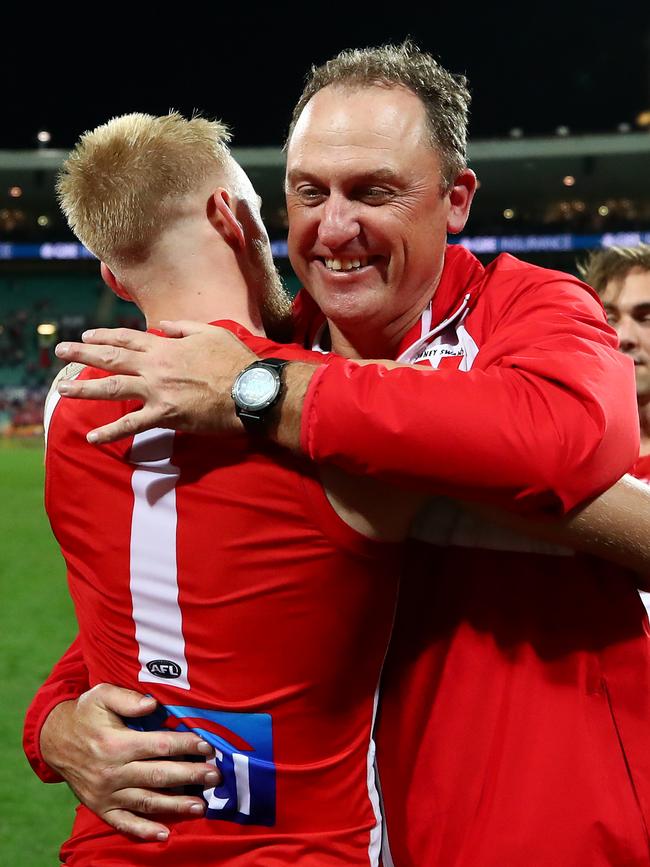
(643, 119)
(562, 130)
(43, 136)
(516, 132)
(568, 180)
(46, 329)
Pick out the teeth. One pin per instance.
(345, 264)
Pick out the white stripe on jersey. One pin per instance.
(70, 371)
(374, 846)
(645, 596)
(51, 402)
(386, 854)
(154, 578)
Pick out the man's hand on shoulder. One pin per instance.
(183, 383)
(119, 773)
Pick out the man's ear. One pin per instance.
(113, 283)
(460, 200)
(221, 216)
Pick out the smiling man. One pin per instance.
(369, 205)
(517, 670)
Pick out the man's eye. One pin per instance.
(310, 194)
(374, 195)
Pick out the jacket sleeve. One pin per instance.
(546, 417)
(67, 680)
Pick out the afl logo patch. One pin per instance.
(164, 668)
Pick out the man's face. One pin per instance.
(627, 302)
(367, 215)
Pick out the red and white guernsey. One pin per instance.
(217, 577)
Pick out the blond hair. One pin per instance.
(125, 180)
(445, 97)
(605, 265)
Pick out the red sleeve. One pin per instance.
(547, 415)
(67, 680)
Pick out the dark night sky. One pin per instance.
(551, 65)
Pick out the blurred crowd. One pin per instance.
(28, 363)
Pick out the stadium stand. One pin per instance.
(547, 200)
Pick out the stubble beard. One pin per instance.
(274, 300)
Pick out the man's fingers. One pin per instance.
(118, 387)
(184, 327)
(128, 425)
(141, 747)
(168, 744)
(127, 338)
(137, 826)
(111, 358)
(119, 700)
(168, 775)
(144, 802)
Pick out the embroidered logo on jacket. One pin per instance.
(454, 344)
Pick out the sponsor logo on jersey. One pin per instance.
(164, 668)
(243, 745)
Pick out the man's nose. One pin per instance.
(628, 336)
(339, 222)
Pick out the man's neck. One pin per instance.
(205, 295)
(369, 342)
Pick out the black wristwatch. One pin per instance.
(256, 390)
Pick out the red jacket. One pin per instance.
(544, 414)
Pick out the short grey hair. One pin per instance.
(445, 96)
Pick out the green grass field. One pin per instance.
(36, 625)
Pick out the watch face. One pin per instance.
(256, 388)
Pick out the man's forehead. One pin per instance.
(371, 116)
(629, 290)
(362, 132)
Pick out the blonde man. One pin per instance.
(223, 582)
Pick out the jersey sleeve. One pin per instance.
(546, 417)
(67, 680)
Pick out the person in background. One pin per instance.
(621, 276)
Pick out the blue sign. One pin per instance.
(243, 744)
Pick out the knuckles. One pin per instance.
(113, 386)
(109, 355)
(158, 778)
